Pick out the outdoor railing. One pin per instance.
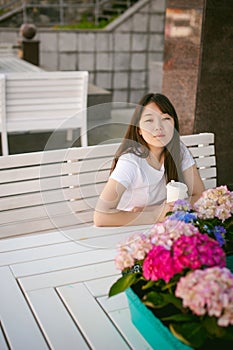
(62, 12)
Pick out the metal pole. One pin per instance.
(24, 4)
(61, 11)
(96, 12)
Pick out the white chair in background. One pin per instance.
(39, 101)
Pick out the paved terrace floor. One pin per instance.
(99, 130)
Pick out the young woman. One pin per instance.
(150, 155)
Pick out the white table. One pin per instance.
(14, 64)
(54, 292)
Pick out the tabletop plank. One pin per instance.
(122, 320)
(66, 276)
(15, 64)
(38, 253)
(100, 287)
(18, 323)
(91, 319)
(62, 262)
(29, 241)
(90, 232)
(56, 323)
(108, 241)
(117, 309)
(3, 344)
(117, 302)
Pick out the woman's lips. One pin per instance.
(159, 136)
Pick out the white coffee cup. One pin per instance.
(176, 190)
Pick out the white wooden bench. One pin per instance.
(58, 189)
(36, 101)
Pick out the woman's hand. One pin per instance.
(164, 208)
(138, 209)
(159, 211)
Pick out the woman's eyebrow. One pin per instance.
(147, 114)
(151, 113)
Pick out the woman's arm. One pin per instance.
(106, 213)
(194, 182)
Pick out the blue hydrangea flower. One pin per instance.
(183, 216)
(207, 229)
(219, 233)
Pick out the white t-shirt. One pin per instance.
(144, 184)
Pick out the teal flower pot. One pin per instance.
(152, 329)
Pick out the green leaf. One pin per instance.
(173, 282)
(228, 333)
(154, 299)
(123, 283)
(191, 333)
(172, 299)
(180, 318)
(212, 327)
(148, 285)
(215, 331)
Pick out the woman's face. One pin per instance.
(155, 127)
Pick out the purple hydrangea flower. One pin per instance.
(182, 205)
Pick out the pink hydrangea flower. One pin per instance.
(134, 248)
(208, 291)
(159, 264)
(215, 202)
(168, 231)
(196, 251)
(124, 260)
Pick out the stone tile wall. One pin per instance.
(121, 58)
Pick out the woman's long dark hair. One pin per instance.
(134, 143)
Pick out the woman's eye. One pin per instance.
(166, 117)
(148, 120)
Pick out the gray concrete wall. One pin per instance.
(126, 57)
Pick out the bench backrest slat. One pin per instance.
(59, 189)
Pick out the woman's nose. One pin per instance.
(157, 125)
